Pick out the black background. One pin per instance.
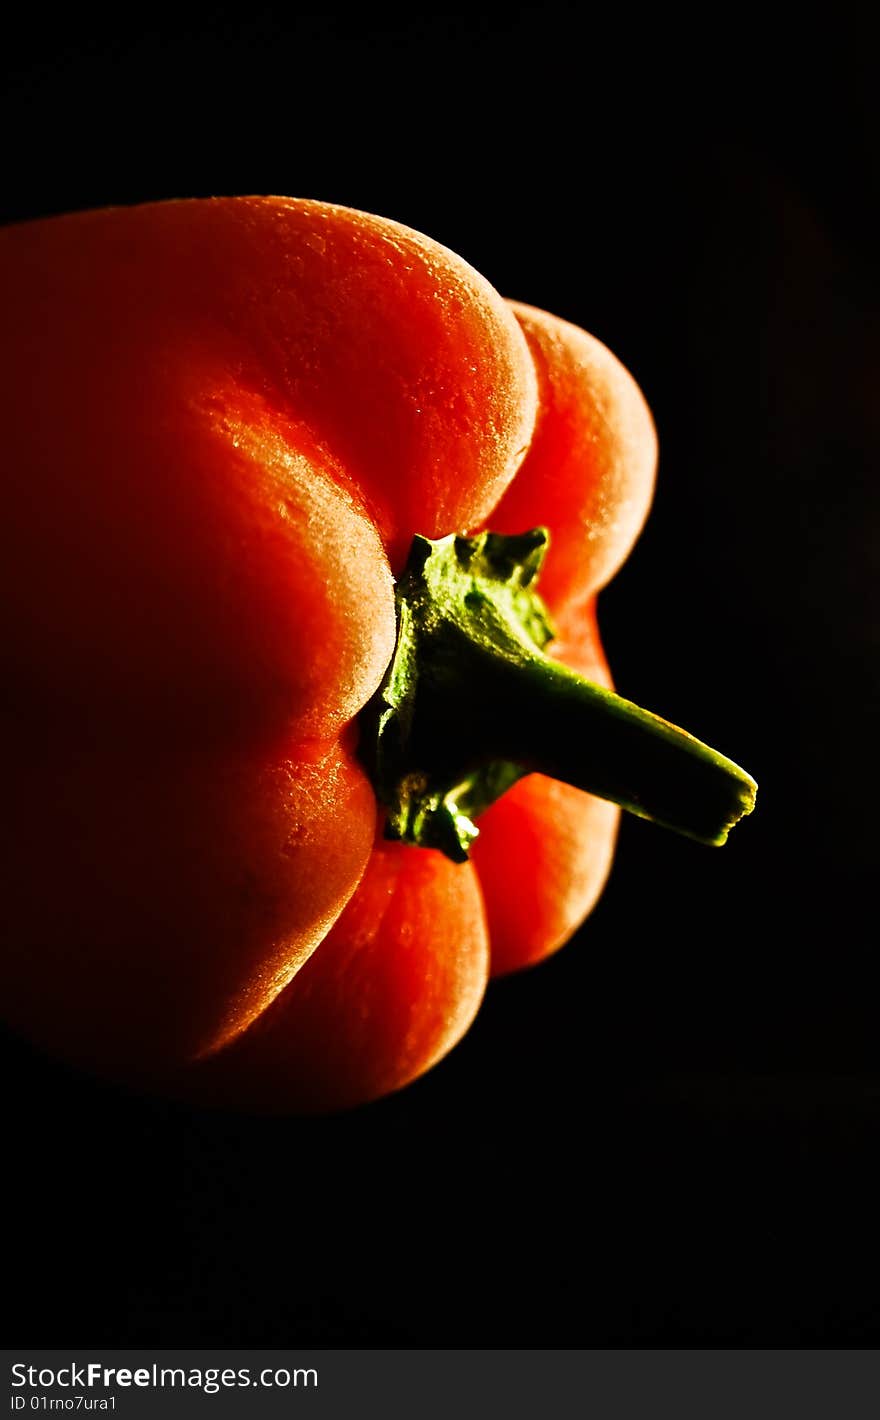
(670, 1133)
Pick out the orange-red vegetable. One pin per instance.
(224, 421)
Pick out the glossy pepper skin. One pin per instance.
(223, 423)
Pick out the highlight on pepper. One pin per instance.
(307, 724)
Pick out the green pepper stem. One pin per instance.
(547, 719)
(471, 702)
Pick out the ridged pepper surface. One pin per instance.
(224, 422)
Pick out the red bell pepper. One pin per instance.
(224, 424)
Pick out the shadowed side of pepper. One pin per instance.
(394, 986)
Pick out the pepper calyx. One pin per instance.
(470, 703)
(454, 590)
